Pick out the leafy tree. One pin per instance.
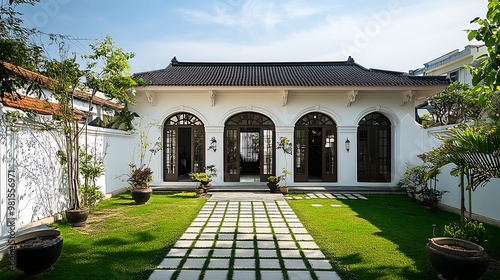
(486, 74)
(457, 103)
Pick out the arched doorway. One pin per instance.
(374, 148)
(183, 146)
(249, 148)
(315, 156)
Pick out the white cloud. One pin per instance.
(398, 39)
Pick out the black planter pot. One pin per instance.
(457, 259)
(36, 252)
(141, 195)
(77, 218)
(272, 187)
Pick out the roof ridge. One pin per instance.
(175, 62)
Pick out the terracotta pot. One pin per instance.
(457, 259)
(284, 190)
(199, 191)
(36, 257)
(77, 218)
(141, 195)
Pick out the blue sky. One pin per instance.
(386, 34)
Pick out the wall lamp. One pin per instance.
(213, 144)
(347, 144)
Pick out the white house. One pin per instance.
(347, 123)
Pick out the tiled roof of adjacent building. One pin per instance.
(314, 74)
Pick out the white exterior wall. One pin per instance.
(269, 102)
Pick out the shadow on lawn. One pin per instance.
(405, 224)
(409, 226)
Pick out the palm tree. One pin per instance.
(475, 151)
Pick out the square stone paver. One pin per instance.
(282, 237)
(245, 224)
(189, 236)
(193, 230)
(290, 254)
(287, 245)
(170, 263)
(224, 244)
(268, 253)
(320, 264)
(226, 236)
(244, 263)
(295, 225)
(162, 274)
(299, 275)
(204, 244)
(229, 224)
(271, 275)
(303, 237)
(227, 229)
(199, 253)
(177, 252)
(189, 274)
(299, 230)
(244, 275)
(327, 275)
(263, 230)
(313, 254)
(207, 236)
(244, 244)
(194, 263)
(210, 230)
(244, 236)
(308, 245)
(269, 264)
(294, 264)
(261, 224)
(215, 274)
(264, 236)
(243, 253)
(218, 263)
(221, 253)
(183, 243)
(245, 229)
(268, 244)
(281, 230)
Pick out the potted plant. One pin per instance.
(286, 146)
(284, 187)
(140, 174)
(36, 252)
(204, 179)
(273, 183)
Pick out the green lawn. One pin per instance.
(379, 238)
(383, 237)
(122, 240)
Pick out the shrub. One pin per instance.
(472, 231)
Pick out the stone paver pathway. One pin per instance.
(245, 240)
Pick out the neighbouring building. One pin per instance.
(453, 64)
(347, 123)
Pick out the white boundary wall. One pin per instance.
(41, 192)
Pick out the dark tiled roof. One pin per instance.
(315, 74)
